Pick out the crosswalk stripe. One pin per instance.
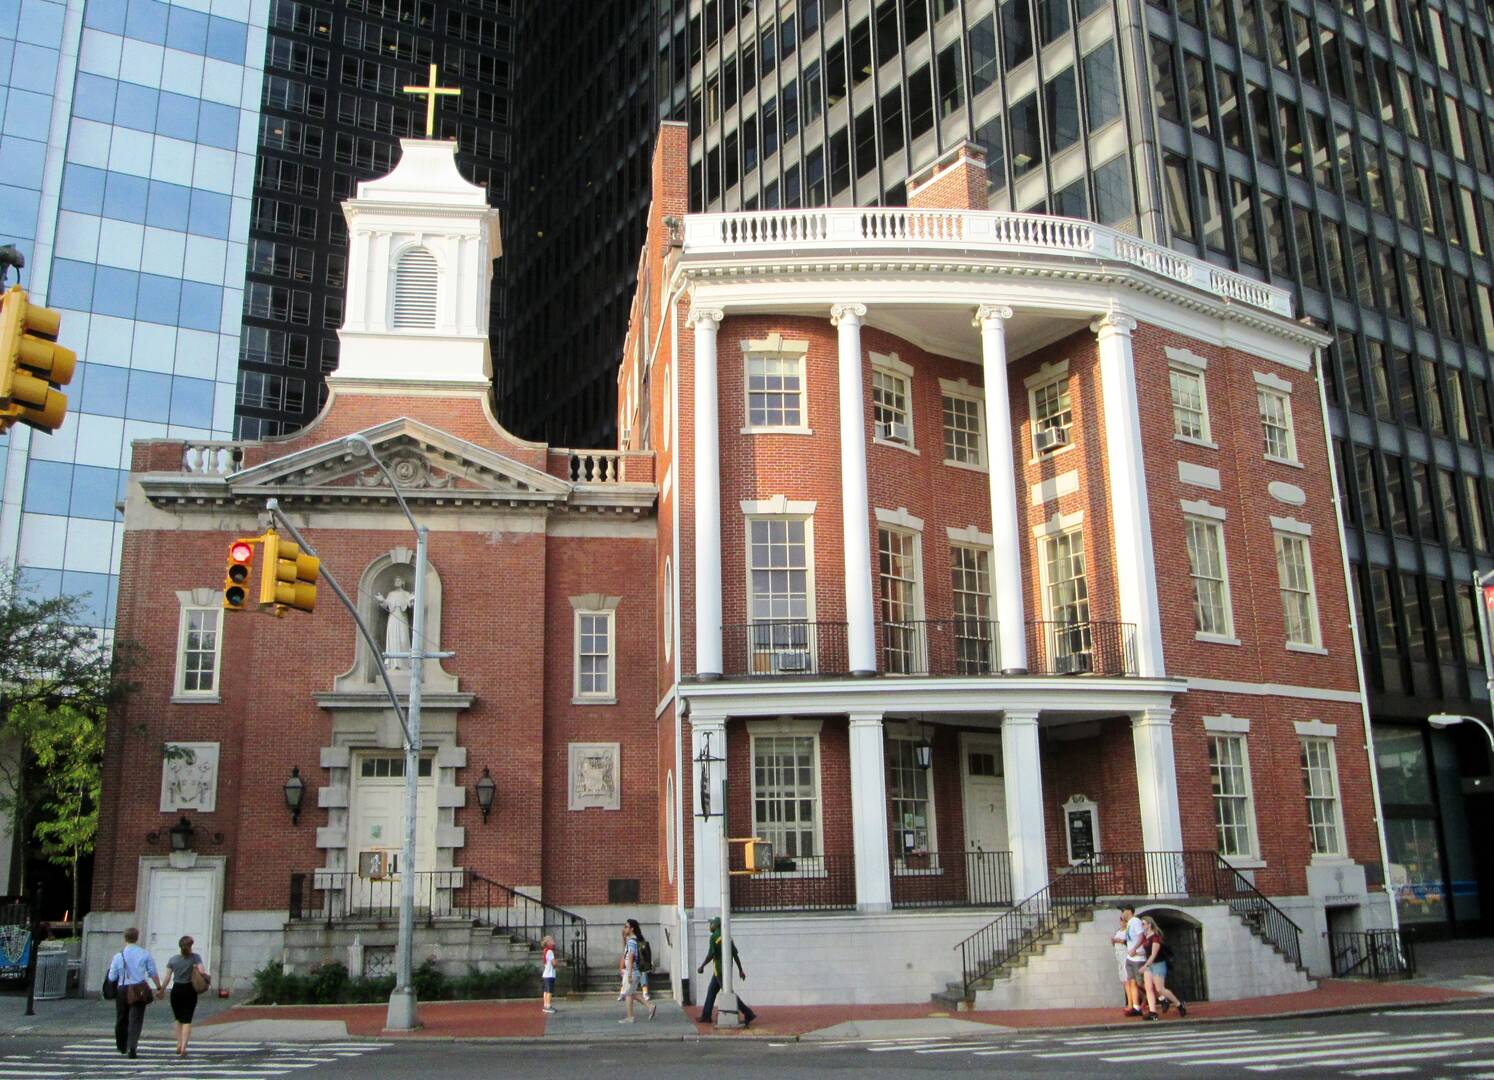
(1421, 1014)
(1440, 1041)
(957, 1048)
(1245, 1045)
(1366, 1059)
(1388, 1070)
(1482, 1063)
(1165, 1036)
(914, 1046)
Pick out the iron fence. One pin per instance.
(784, 648)
(961, 646)
(1081, 648)
(940, 879)
(799, 883)
(1371, 954)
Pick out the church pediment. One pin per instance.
(425, 461)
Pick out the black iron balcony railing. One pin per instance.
(939, 879)
(963, 646)
(789, 647)
(799, 883)
(1081, 648)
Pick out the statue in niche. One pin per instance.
(397, 604)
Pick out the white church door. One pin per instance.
(378, 832)
(987, 860)
(181, 903)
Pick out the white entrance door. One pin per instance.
(181, 902)
(988, 864)
(378, 831)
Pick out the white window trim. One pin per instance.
(198, 600)
(1043, 583)
(1213, 515)
(668, 608)
(594, 604)
(1187, 367)
(961, 388)
(793, 511)
(970, 536)
(778, 506)
(1046, 376)
(790, 727)
(889, 364)
(1315, 646)
(897, 732)
(1252, 859)
(775, 345)
(1058, 523)
(900, 521)
(1342, 855)
(1275, 385)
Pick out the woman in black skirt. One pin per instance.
(180, 969)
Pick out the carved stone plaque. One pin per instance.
(189, 777)
(594, 776)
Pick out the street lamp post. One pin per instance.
(1447, 720)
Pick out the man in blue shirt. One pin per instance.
(131, 967)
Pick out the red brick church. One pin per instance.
(1090, 637)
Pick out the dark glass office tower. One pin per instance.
(332, 114)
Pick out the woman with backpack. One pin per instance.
(1154, 970)
(645, 958)
(631, 948)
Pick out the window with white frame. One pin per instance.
(1299, 605)
(786, 793)
(892, 416)
(910, 789)
(594, 655)
(897, 563)
(1229, 778)
(1052, 416)
(775, 390)
(1211, 606)
(199, 646)
(970, 583)
(779, 595)
(1276, 424)
(963, 434)
(1066, 596)
(1190, 411)
(1320, 785)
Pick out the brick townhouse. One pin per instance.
(1090, 638)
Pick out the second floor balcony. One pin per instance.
(956, 647)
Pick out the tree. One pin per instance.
(58, 679)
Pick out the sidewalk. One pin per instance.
(89, 1016)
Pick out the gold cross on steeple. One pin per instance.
(431, 93)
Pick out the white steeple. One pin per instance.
(421, 245)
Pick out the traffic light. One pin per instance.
(32, 364)
(236, 579)
(758, 855)
(288, 578)
(1489, 598)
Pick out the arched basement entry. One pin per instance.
(1187, 975)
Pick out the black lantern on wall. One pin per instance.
(487, 791)
(294, 790)
(181, 834)
(923, 750)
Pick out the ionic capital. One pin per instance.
(987, 314)
(848, 313)
(1114, 322)
(711, 317)
(1152, 718)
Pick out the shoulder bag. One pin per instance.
(200, 980)
(111, 985)
(139, 993)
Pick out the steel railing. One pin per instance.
(1371, 954)
(799, 883)
(964, 646)
(983, 953)
(785, 648)
(334, 896)
(1081, 648)
(951, 879)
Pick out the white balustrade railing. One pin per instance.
(593, 466)
(212, 458)
(981, 230)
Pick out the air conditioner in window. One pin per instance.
(792, 662)
(892, 431)
(1051, 439)
(1079, 663)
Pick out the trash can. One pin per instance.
(51, 974)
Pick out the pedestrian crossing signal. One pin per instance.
(288, 577)
(236, 577)
(758, 855)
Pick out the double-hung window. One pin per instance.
(199, 646)
(902, 637)
(1052, 416)
(1320, 785)
(1211, 607)
(1229, 779)
(1274, 398)
(1066, 597)
(786, 794)
(1190, 410)
(781, 639)
(892, 409)
(970, 583)
(911, 794)
(594, 656)
(775, 390)
(1299, 605)
(963, 438)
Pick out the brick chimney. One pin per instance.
(671, 170)
(956, 181)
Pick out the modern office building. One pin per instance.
(1341, 151)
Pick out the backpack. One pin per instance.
(645, 958)
(1164, 954)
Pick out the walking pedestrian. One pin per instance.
(713, 956)
(547, 970)
(1128, 984)
(186, 978)
(645, 963)
(1154, 970)
(630, 974)
(132, 970)
(1135, 931)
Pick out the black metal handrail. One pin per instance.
(1251, 906)
(998, 943)
(1081, 648)
(963, 646)
(1371, 954)
(790, 647)
(799, 883)
(939, 879)
(456, 893)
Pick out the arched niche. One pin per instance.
(380, 577)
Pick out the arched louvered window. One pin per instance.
(415, 281)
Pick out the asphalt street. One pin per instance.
(1453, 1042)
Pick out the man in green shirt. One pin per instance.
(713, 957)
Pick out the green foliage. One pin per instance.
(330, 984)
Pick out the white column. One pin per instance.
(869, 813)
(1011, 618)
(1021, 765)
(1157, 788)
(706, 322)
(708, 831)
(861, 634)
(1135, 571)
